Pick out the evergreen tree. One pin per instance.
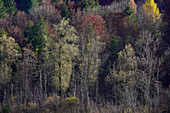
(130, 13)
(89, 3)
(10, 6)
(2, 32)
(34, 3)
(37, 34)
(65, 12)
(28, 4)
(84, 4)
(2, 9)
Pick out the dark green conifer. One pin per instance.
(130, 13)
(37, 35)
(2, 9)
(65, 12)
(89, 3)
(10, 6)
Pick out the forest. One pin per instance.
(84, 56)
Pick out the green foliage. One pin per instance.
(65, 13)
(89, 3)
(28, 4)
(130, 13)
(37, 34)
(34, 3)
(5, 109)
(2, 9)
(2, 32)
(113, 46)
(10, 6)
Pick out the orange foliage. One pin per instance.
(133, 5)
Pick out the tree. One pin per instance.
(37, 35)
(119, 24)
(28, 4)
(26, 79)
(130, 13)
(10, 6)
(9, 53)
(66, 51)
(124, 76)
(84, 24)
(132, 4)
(2, 32)
(152, 10)
(97, 23)
(2, 9)
(89, 3)
(34, 3)
(65, 12)
(15, 26)
(49, 12)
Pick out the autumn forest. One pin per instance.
(84, 56)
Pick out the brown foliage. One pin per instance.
(59, 5)
(18, 34)
(20, 19)
(45, 2)
(119, 24)
(82, 22)
(15, 27)
(72, 6)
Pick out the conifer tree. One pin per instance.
(130, 13)
(2, 9)
(89, 3)
(34, 3)
(28, 4)
(65, 12)
(10, 6)
(2, 32)
(37, 34)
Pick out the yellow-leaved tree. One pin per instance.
(9, 52)
(151, 9)
(124, 77)
(66, 51)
